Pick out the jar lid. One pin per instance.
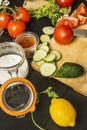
(17, 96)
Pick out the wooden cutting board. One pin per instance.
(75, 52)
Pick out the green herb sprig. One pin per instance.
(51, 94)
(51, 10)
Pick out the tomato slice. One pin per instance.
(74, 21)
(81, 14)
(64, 22)
(82, 19)
(82, 10)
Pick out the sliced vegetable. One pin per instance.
(50, 57)
(69, 70)
(44, 47)
(39, 55)
(47, 69)
(48, 30)
(39, 63)
(57, 54)
(45, 38)
(43, 43)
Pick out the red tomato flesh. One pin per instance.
(82, 10)
(64, 22)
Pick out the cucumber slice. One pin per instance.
(50, 57)
(48, 30)
(41, 62)
(57, 53)
(45, 48)
(47, 69)
(39, 55)
(45, 38)
(44, 43)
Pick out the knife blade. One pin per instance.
(80, 32)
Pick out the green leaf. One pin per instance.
(49, 92)
(51, 10)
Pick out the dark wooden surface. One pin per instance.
(41, 113)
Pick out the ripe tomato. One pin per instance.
(64, 22)
(23, 14)
(15, 28)
(63, 34)
(64, 3)
(5, 18)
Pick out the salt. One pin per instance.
(10, 64)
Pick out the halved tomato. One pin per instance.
(81, 10)
(82, 19)
(64, 22)
(81, 14)
(74, 21)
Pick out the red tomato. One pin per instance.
(5, 18)
(23, 14)
(63, 34)
(64, 3)
(64, 22)
(15, 28)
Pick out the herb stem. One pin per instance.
(32, 117)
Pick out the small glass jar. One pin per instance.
(17, 97)
(13, 62)
(28, 41)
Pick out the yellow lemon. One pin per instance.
(62, 112)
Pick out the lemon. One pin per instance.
(62, 112)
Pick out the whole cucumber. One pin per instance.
(69, 70)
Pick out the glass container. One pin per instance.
(13, 62)
(17, 97)
(28, 41)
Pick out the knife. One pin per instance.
(1, 31)
(76, 31)
(80, 32)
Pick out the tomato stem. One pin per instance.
(9, 8)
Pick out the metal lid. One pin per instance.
(18, 96)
